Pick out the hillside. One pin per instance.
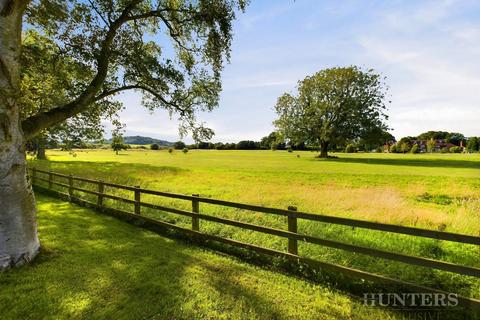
(144, 140)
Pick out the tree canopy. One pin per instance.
(89, 51)
(333, 106)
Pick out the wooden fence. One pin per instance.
(291, 233)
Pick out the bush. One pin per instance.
(393, 148)
(350, 148)
(274, 146)
(415, 149)
(289, 149)
(154, 146)
(455, 149)
(179, 145)
(185, 150)
(444, 150)
(170, 150)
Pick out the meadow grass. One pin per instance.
(434, 191)
(96, 267)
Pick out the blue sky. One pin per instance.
(428, 50)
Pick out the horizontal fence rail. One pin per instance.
(291, 234)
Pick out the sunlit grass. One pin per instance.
(434, 191)
(96, 267)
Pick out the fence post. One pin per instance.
(292, 227)
(70, 186)
(101, 190)
(34, 174)
(195, 209)
(137, 199)
(50, 179)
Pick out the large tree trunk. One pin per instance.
(324, 149)
(18, 230)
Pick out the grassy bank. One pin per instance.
(438, 191)
(96, 267)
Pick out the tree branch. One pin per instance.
(172, 104)
(34, 124)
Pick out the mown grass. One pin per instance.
(438, 191)
(96, 267)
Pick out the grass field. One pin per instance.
(96, 267)
(434, 191)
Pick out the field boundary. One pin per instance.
(291, 234)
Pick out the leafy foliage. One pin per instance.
(333, 106)
(171, 51)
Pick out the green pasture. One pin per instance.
(96, 267)
(434, 191)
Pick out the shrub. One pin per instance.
(170, 150)
(455, 149)
(179, 145)
(185, 150)
(393, 148)
(289, 149)
(274, 146)
(154, 146)
(415, 149)
(350, 148)
(444, 150)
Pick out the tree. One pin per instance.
(47, 81)
(415, 148)
(118, 144)
(473, 144)
(404, 147)
(185, 150)
(332, 107)
(247, 145)
(114, 45)
(179, 145)
(154, 146)
(431, 144)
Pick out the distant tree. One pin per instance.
(415, 148)
(185, 150)
(435, 135)
(431, 144)
(154, 146)
(455, 149)
(331, 107)
(456, 138)
(247, 145)
(179, 145)
(473, 144)
(273, 137)
(375, 138)
(404, 147)
(274, 146)
(170, 150)
(205, 145)
(393, 149)
(350, 148)
(289, 149)
(117, 144)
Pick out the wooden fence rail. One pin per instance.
(291, 233)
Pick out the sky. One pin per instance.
(429, 51)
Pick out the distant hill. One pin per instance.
(144, 140)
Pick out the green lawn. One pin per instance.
(434, 191)
(96, 267)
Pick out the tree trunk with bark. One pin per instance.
(18, 229)
(323, 149)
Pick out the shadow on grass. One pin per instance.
(432, 163)
(97, 267)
